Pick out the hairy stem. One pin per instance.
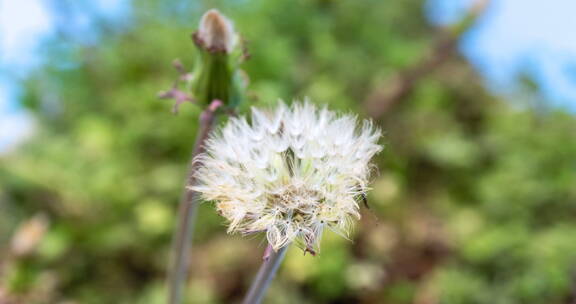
(178, 271)
(266, 273)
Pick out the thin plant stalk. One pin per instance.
(178, 271)
(266, 273)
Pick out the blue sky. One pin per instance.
(514, 36)
(18, 41)
(24, 24)
(521, 36)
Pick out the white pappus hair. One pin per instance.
(290, 172)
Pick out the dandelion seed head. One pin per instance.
(289, 173)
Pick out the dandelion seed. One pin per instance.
(291, 172)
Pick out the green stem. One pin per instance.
(265, 275)
(178, 271)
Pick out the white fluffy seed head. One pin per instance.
(290, 172)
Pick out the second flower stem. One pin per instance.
(266, 273)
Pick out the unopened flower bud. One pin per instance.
(216, 32)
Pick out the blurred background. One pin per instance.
(475, 200)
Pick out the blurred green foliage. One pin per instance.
(474, 201)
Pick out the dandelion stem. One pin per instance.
(271, 263)
(178, 271)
